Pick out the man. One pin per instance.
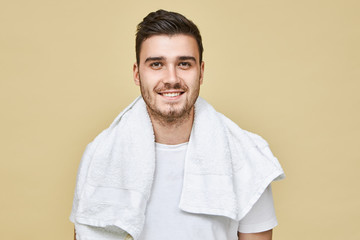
(170, 166)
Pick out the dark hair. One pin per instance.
(168, 23)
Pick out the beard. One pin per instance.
(169, 113)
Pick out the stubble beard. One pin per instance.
(171, 115)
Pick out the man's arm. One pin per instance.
(267, 235)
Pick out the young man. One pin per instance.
(170, 166)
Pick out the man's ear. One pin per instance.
(136, 74)
(202, 72)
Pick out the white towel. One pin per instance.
(226, 171)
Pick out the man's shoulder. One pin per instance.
(236, 130)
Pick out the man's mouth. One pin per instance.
(171, 94)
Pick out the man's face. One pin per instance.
(169, 75)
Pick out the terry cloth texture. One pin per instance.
(226, 171)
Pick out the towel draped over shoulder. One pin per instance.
(226, 171)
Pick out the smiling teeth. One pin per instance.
(171, 94)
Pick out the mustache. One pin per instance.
(169, 86)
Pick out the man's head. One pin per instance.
(163, 22)
(169, 67)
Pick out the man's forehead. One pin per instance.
(169, 46)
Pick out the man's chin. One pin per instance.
(173, 114)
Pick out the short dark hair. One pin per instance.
(168, 23)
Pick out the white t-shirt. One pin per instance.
(164, 219)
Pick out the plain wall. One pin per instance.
(287, 70)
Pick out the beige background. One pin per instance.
(287, 70)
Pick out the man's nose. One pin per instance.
(172, 76)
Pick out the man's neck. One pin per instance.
(175, 132)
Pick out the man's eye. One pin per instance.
(184, 64)
(156, 65)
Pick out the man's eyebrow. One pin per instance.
(154, 59)
(187, 58)
(182, 58)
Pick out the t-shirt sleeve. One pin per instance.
(262, 216)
